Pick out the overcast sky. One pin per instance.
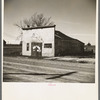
(75, 18)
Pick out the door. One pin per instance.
(36, 49)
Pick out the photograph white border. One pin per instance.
(41, 91)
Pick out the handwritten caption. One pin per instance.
(51, 84)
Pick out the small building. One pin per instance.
(89, 48)
(46, 41)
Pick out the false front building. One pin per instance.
(46, 41)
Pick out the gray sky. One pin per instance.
(75, 18)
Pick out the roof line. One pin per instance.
(58, 36)
(70, 37)
(30, 28)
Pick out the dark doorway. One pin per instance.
(36, 49)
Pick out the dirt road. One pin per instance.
(23, 69)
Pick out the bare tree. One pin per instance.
(36, 20)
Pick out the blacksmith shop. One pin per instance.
(47, 42)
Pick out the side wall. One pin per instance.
(43, 35)
(68, 47)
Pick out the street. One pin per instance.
(24, 69)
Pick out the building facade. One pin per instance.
(38, 41)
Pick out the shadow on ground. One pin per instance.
(60, 75)
(6, 75)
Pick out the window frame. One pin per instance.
(27, 46)
(47, 45)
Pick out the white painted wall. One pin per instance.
(44, 35)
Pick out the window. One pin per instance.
(48, 45)
(27, 46)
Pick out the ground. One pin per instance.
(24, 69)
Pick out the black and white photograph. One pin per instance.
(52, 41)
